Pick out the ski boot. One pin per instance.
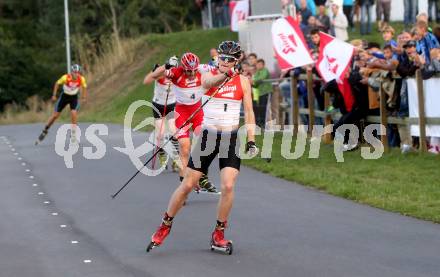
(42, 136)
(163, 158)
(161, 233)
(206, 185)
(174, 166)
(218, 241)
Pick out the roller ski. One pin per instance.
(73, 138)
(205, 186)
(161, 233)
(218, 241)
(42, 136)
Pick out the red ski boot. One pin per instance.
(161, 233)
(218, 241)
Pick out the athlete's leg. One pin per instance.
(180, 194)
(228, 177)
(172, 125)
(52, 119)
(185, 149)
(74, 122)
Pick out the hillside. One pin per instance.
(115, 93)
(117, 78)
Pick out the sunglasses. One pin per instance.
(227, 59)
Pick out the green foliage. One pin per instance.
(163, 46)
(32, 39)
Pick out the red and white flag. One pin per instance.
(334, 57)
(239, 10)
(333, 62)
(289, 44)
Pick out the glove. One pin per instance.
(155, 67)
(172, 62)
(252, 149)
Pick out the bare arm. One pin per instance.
(84, 93)
(54, 91)
(209, 80)
(154, 75)
(249, 117)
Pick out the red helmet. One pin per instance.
(190, 61)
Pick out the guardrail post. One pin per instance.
(383, 117)
(421, 103)
(275, 103)
(328, 118)
(295, 104)
(311, 100)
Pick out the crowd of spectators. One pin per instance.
(386, 65)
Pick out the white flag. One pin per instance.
(289, 45)
(334, 57)
(239, 10)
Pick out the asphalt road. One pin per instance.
(57, 221)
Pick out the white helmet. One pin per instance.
(75, 68)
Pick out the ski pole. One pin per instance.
(175, 133)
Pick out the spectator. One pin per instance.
(323, 20)
(434, 5)
(366, 16)
(202, 4)
(288, 7)
(310, 4)
(262, 90)
(348, 11)
(245, 70)
(410, 8)
(427, 40)
(435, 59)
(383, 8)
(387, 35)
(315, 39)
(407, 68)
(214, 57)
(252, 59)
(424, 17)
(305, 12)
(220, 11)
(339, 24)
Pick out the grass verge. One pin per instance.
(407, 184)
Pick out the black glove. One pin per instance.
(155, 67)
